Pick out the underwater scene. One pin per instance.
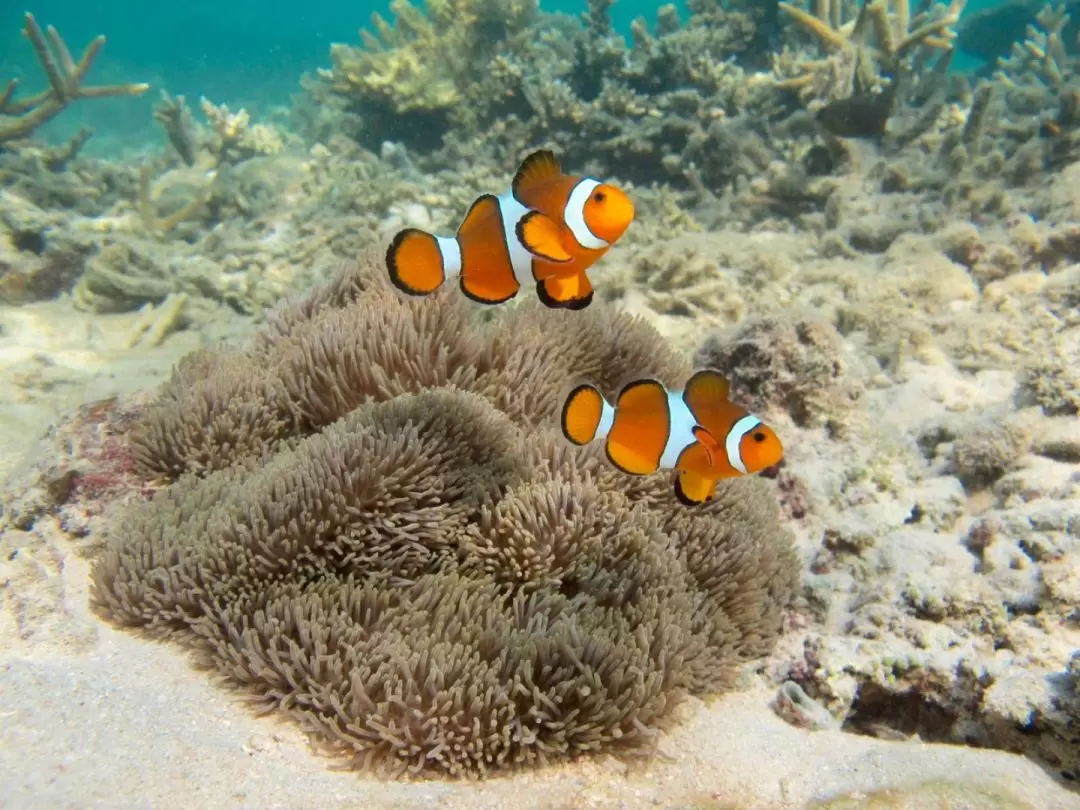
(484, 404)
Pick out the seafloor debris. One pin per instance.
(20, 117)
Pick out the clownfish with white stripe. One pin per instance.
(548, 230)
(697, 431)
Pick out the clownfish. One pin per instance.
(547, 230)
(697, 431)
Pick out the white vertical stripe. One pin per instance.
(520, 259)
(574, 215)
(451, 255)
(734, 440)
(680, 433)
(607, 419)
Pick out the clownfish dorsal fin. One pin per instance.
(536, 168)
(706, 395)
(484, 206)
(542, 237)
(706, 440)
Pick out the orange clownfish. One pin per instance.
(547, 230)
(697, 431)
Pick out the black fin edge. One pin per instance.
(531, 158)
(485, 301)
(566, 407)
(520, 236)
(391, 261)
(682, 497)
(573, 304)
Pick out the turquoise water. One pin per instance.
(238, 52)
(249, 54)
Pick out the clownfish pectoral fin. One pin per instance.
(542, 237)
(706, 395)
(487, 271)
(566, 292)
(536, 168)
(417, 261)
(583, 413)
(707, 441)
(692, 489)
(640, 431)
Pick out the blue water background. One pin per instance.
(244, 53)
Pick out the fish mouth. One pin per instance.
(773, 471)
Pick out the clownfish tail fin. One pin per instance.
(586, 415)
(420, 262)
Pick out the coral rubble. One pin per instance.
(389, 540)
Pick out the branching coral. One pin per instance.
(425, 62)
(549, 79)
(382, 534)
(20, 117)
(866, 48)
(1041, 59)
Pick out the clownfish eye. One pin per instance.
(599, 197)
(759, 436)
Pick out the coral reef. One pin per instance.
(796, 364)
(881, 252)
(869, 48)
(20, 117)
(390, 541)
(543, 78)
(418, 70)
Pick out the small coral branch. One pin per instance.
(867, 47)
(1041, 60)
(21, 117)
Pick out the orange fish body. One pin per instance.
(697, 431)
(548, 231)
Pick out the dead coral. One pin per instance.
(420, 570)
(20, 117)
(1052, 379)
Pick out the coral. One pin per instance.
(39, 258)
(227, 138)
(987, 450)
(19, 118)
(234, 138)
(866, 50)
(386, 537)
(1052, 380)
(175, 117)
(538, 78)
(420, 67)
(796, 364)
(1040, 60)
